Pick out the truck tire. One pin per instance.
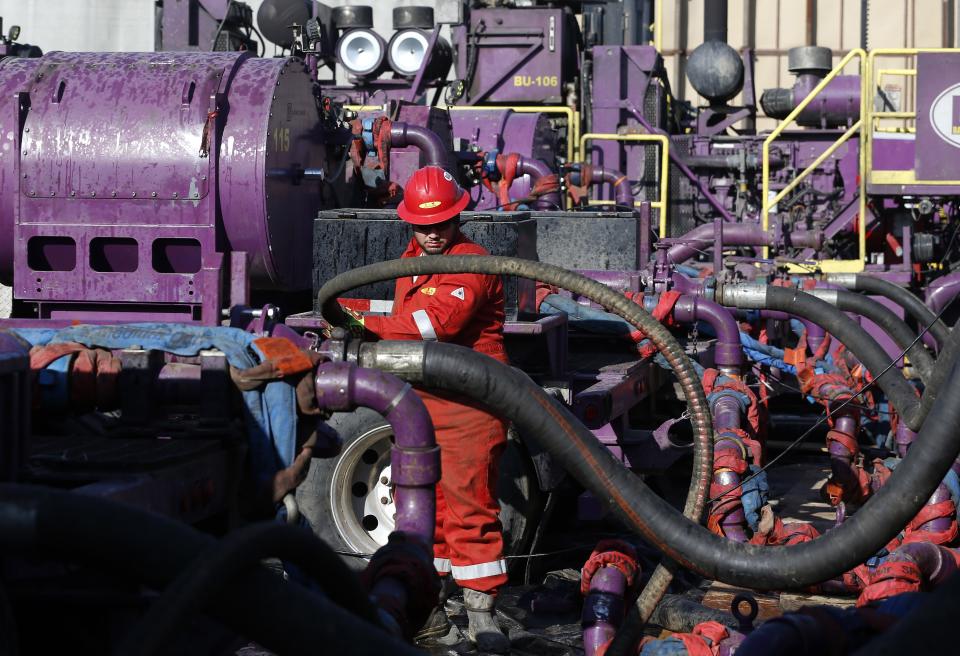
(348, 502)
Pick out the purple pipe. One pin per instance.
(815, 334)
(904, 438)
(727, 412)
(603, 609)
(728, 353)
(735, 234)
(425, 140)
(415, 457)
(536, 169)
(841, 458)
(942, 493)
(943, 290)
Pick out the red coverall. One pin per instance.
(465, 309)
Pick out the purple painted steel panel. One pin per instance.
(624, 74)
(894, 152)
(522, 55)
(938, 121)
(15, 76)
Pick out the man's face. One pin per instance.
(434, 239)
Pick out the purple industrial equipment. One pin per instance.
(516, 55)
(837, 105)
(144, 186)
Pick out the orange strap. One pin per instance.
(284, 354)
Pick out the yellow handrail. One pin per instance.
(769, 202)
(664, 142)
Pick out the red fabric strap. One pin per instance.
(610, 553)
(889, 579)
(288, 359)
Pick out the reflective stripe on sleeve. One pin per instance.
(482, 570)
(422, 319)
(441, 564)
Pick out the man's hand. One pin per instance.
(354, 322)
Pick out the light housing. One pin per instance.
(361, 52)
(407, 50)
(410, 47)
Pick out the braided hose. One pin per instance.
(613, 301)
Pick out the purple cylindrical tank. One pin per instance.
(150, 168)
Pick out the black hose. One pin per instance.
(668, 346)
(923, 315)
(949, 353)
(514, 396)
(282, 616)
(511, 394)
(898, 390)
(197, 585)
(891, 324)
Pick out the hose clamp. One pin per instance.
(831, 296)
(848, 280)
(750, 296)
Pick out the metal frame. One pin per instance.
(907, 177)
(664, 142)
(768, 202)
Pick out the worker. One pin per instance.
(465, 309)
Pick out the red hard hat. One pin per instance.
(431, 196)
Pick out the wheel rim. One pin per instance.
(361, 491)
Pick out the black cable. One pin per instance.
(198, 584)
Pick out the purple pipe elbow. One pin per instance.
(603, 609)
(536, 169)
(815, 334)
(943, 290)
(728, 352)
(426, 141)
(623, 195)
(415, 457)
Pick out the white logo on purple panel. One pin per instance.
(945, 115)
